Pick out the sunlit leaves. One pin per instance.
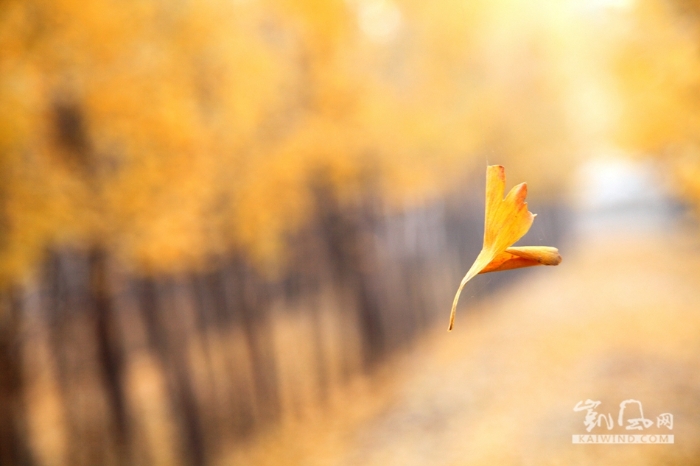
(656, 70)
(204, 123)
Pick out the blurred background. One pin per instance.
(231, 231)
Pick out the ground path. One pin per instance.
(618, 320)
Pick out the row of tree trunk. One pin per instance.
(99, 366)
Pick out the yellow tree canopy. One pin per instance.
(169, 133)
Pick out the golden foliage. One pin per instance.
(171, 133)
(656, 63)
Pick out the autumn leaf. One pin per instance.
(506, 221)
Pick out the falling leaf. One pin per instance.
(506, 221)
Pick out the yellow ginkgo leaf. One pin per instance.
(523, 256)
(506, 221)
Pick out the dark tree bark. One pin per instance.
(348, 236)
(170, 350)
(109, 349)
(14, 449)
(251, 305)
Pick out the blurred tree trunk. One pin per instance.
(109, 348)
(13, 437)
(252, 306)
(171, 351)
(348, 236)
